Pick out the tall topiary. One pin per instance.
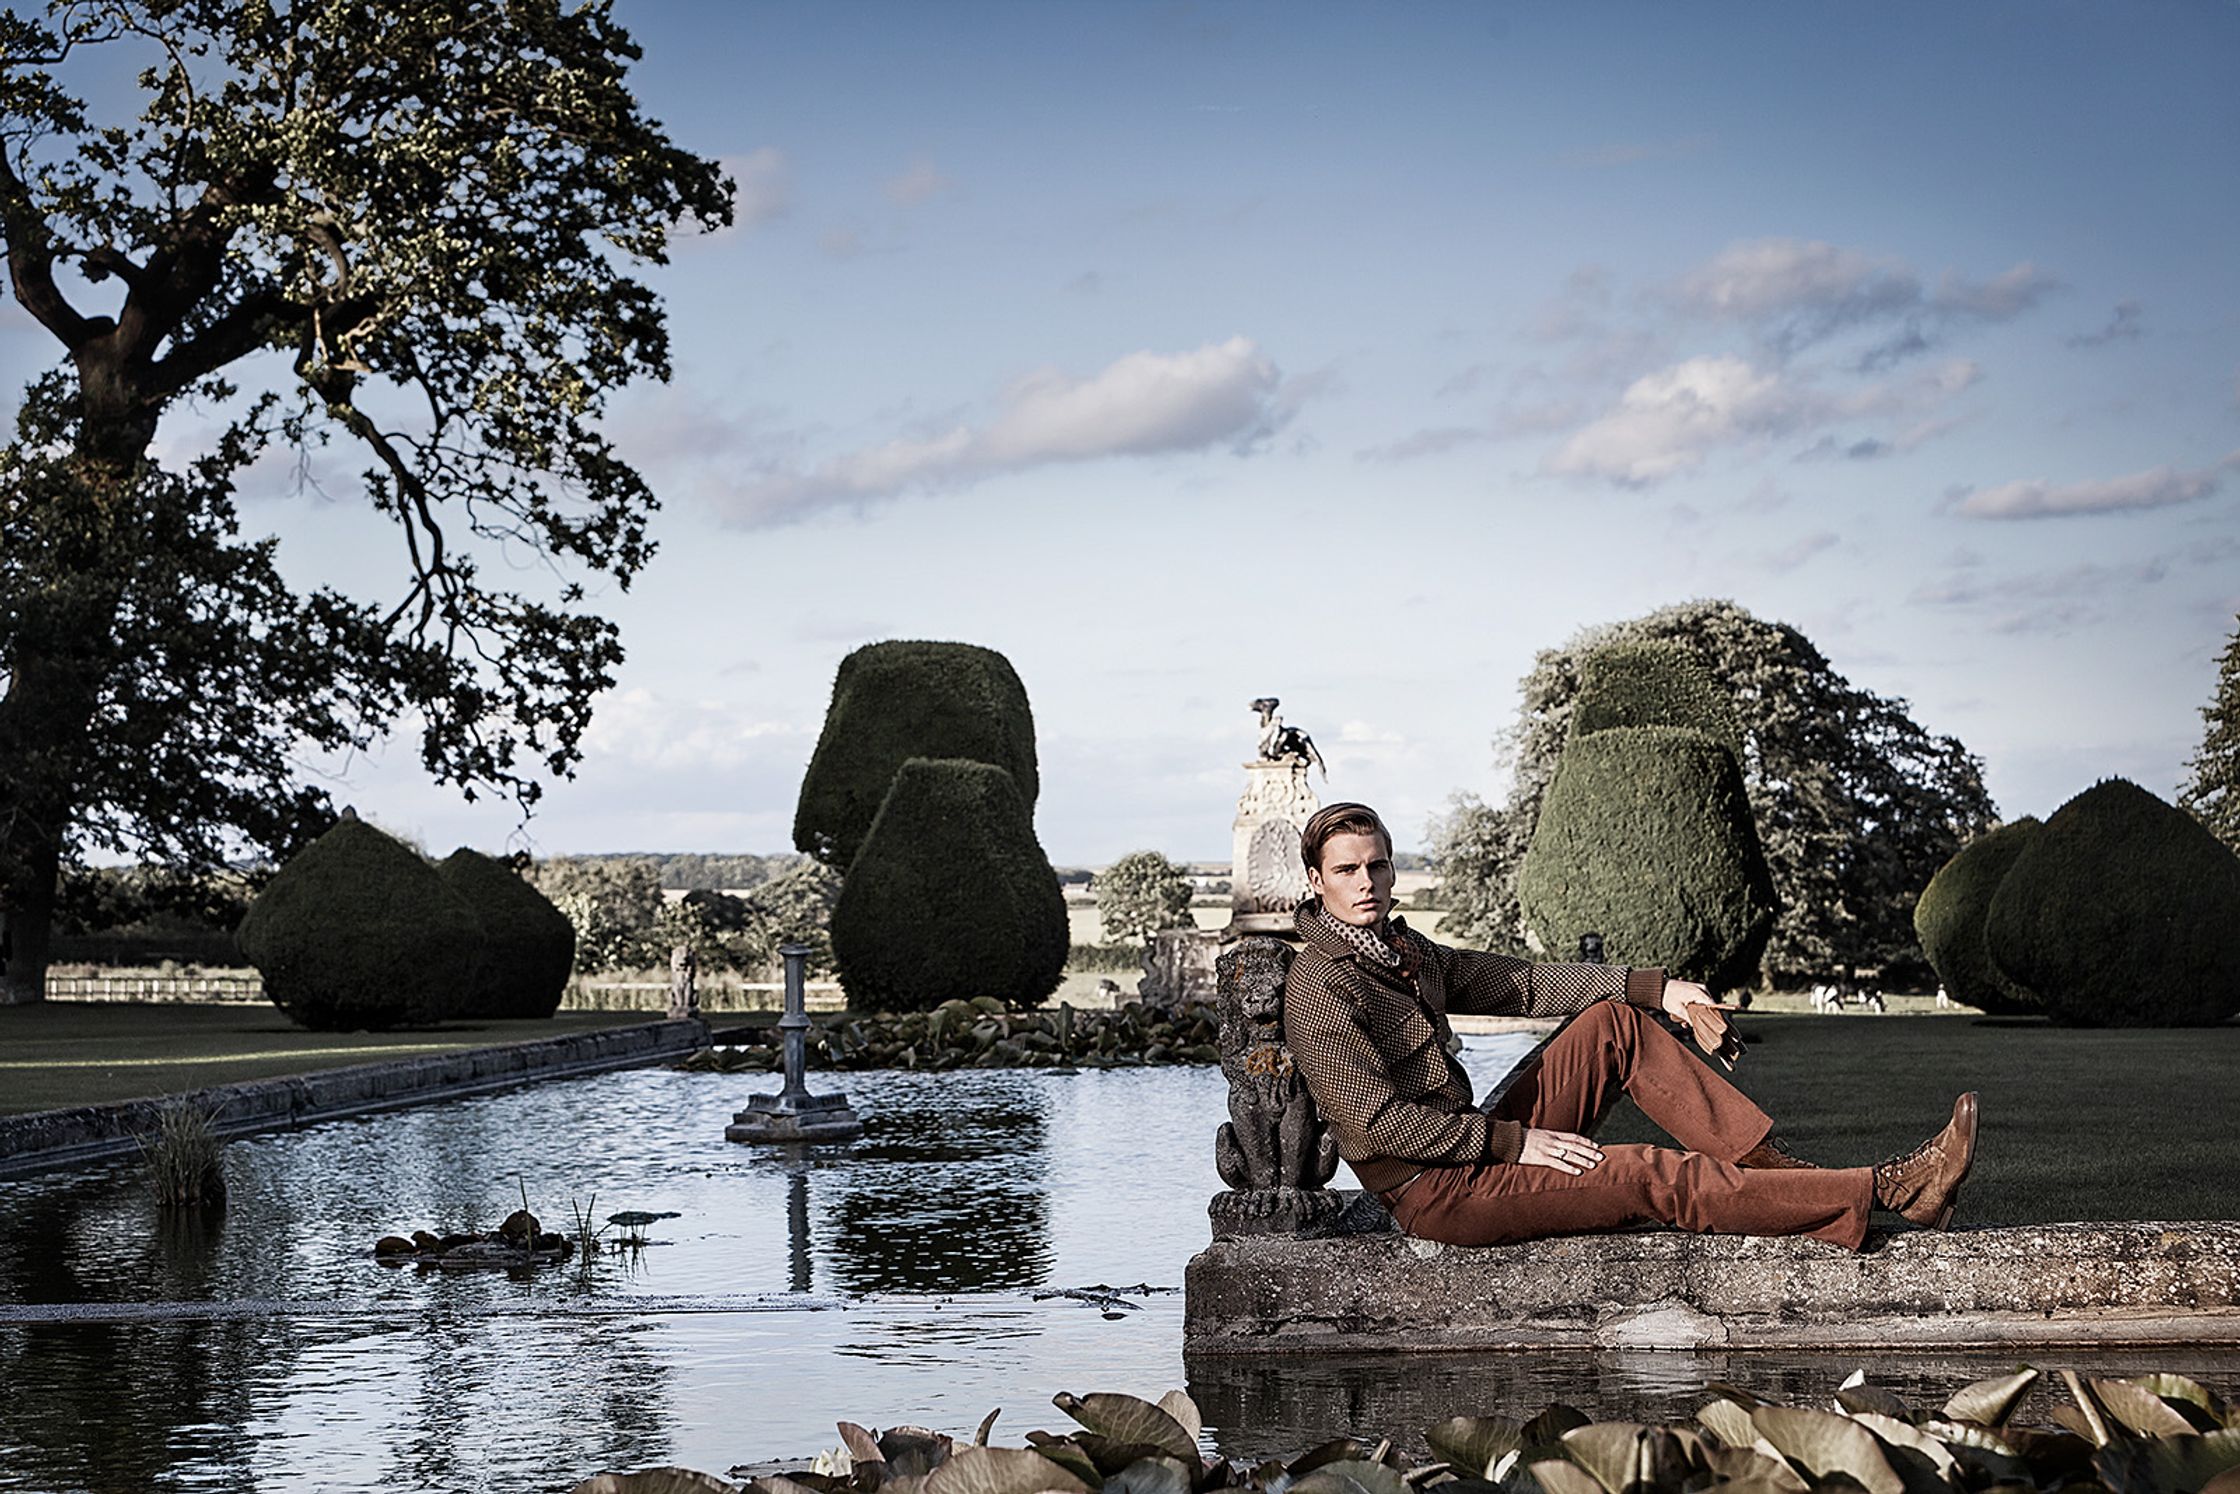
(357, 931)
(1653, 684)
(2122, 911)
(1951, 914)
(899, 700)
(1646, 838)
(950, 895)
(528, 945)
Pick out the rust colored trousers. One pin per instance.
(1608, 1050)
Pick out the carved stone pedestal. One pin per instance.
(1273, 1151)
(1178, 966)
(1266, 880)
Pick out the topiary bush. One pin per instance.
(357, 931)
(1653, 684)
(895, 701)
(1950, 917)
(528, 945)
(950, 896)
(2122, 911)
(1646, 838)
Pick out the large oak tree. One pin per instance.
(1857, 805)
(403, 229)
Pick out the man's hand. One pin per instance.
(1691, 1005)
(1561, 1150)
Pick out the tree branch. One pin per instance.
(31, 255)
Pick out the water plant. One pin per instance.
(184, 1161)
(2149, 1434)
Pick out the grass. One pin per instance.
(61, 1053)
(2075, 1125)
(183, 1158)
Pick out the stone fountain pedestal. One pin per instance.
(794, 1114)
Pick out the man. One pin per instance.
(1365, 1012)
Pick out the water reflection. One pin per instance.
(948, 1196)
(1268, 1407)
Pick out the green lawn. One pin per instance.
(2075, 1124)
(60, 1053)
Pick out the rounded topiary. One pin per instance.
(528, 945)
(2122, 911)
(1949, 918)
(1653, 684)
(950, 896)
(895, 701)
(357, 931)
(1646, 838)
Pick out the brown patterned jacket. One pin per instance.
(1371, 1040)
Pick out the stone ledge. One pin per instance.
(47, 1139)
(2057, 1284)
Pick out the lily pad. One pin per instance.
(1177, 1404)
(664, 1480)
(1474, 1444)
(2190, 1399)
(1988, 1403)
(1127, 1418)
(2167, 1465)
(1069, 1455)
(1729, 1422)
(1821, 1445)
(1149, 1476)
(913, 1451)
(1001, 1470)
(1624, 1456)
(1351, 1476)
(1556, 1476)
(2141, 1410)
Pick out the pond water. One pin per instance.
(892, 1280)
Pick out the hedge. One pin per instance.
(2122, 911)
(895, 701)
(528, 945)
(1949, 918)
(1646, 838)
(1653, 684)
(950, 896)
(357, 931)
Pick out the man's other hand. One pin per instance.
(1691, 1006)
(1561, 1150)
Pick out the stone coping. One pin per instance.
(47, 1139)
(2099, 1284)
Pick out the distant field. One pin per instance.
(1085, 929)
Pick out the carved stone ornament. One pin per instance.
(1274, 1151)
(1266, 878)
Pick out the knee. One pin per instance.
(1611, 1022)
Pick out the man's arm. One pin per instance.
(1480, 983)
(1353, 1089)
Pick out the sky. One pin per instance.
(1188, 353)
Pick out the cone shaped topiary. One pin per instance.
(1653, 684)
(1646, 838)
(528, 945)
(357, 931)
(2122, 911)
(950, 896)
(895, 701)
(1950, 915)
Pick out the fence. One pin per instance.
(241, 988)
(714, 996)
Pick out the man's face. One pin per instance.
(1355, 878)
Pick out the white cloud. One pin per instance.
(1791, 293)
(1667, 422)
(1225, 394)
(921, 183)
(640, 729)
(2036, 498)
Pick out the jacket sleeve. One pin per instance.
(1480, 983)
(1353, 1089)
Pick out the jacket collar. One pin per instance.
(1366, 947)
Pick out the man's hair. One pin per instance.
(1338, 819)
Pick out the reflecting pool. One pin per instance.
(891, 1280)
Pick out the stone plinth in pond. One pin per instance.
(2120, 1284)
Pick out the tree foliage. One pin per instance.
(2122, 911)
(950, 895)
(1856, 805)
(406, 229)
(612, 902)
(2212, 790)
(358, 931)
(1645, 838)
(528, 945)
(1140, 894)
(902, 699)
(1953, 911)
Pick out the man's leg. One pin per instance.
(1499, 1203)
(1613, 1049)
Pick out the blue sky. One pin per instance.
(1189, 353)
